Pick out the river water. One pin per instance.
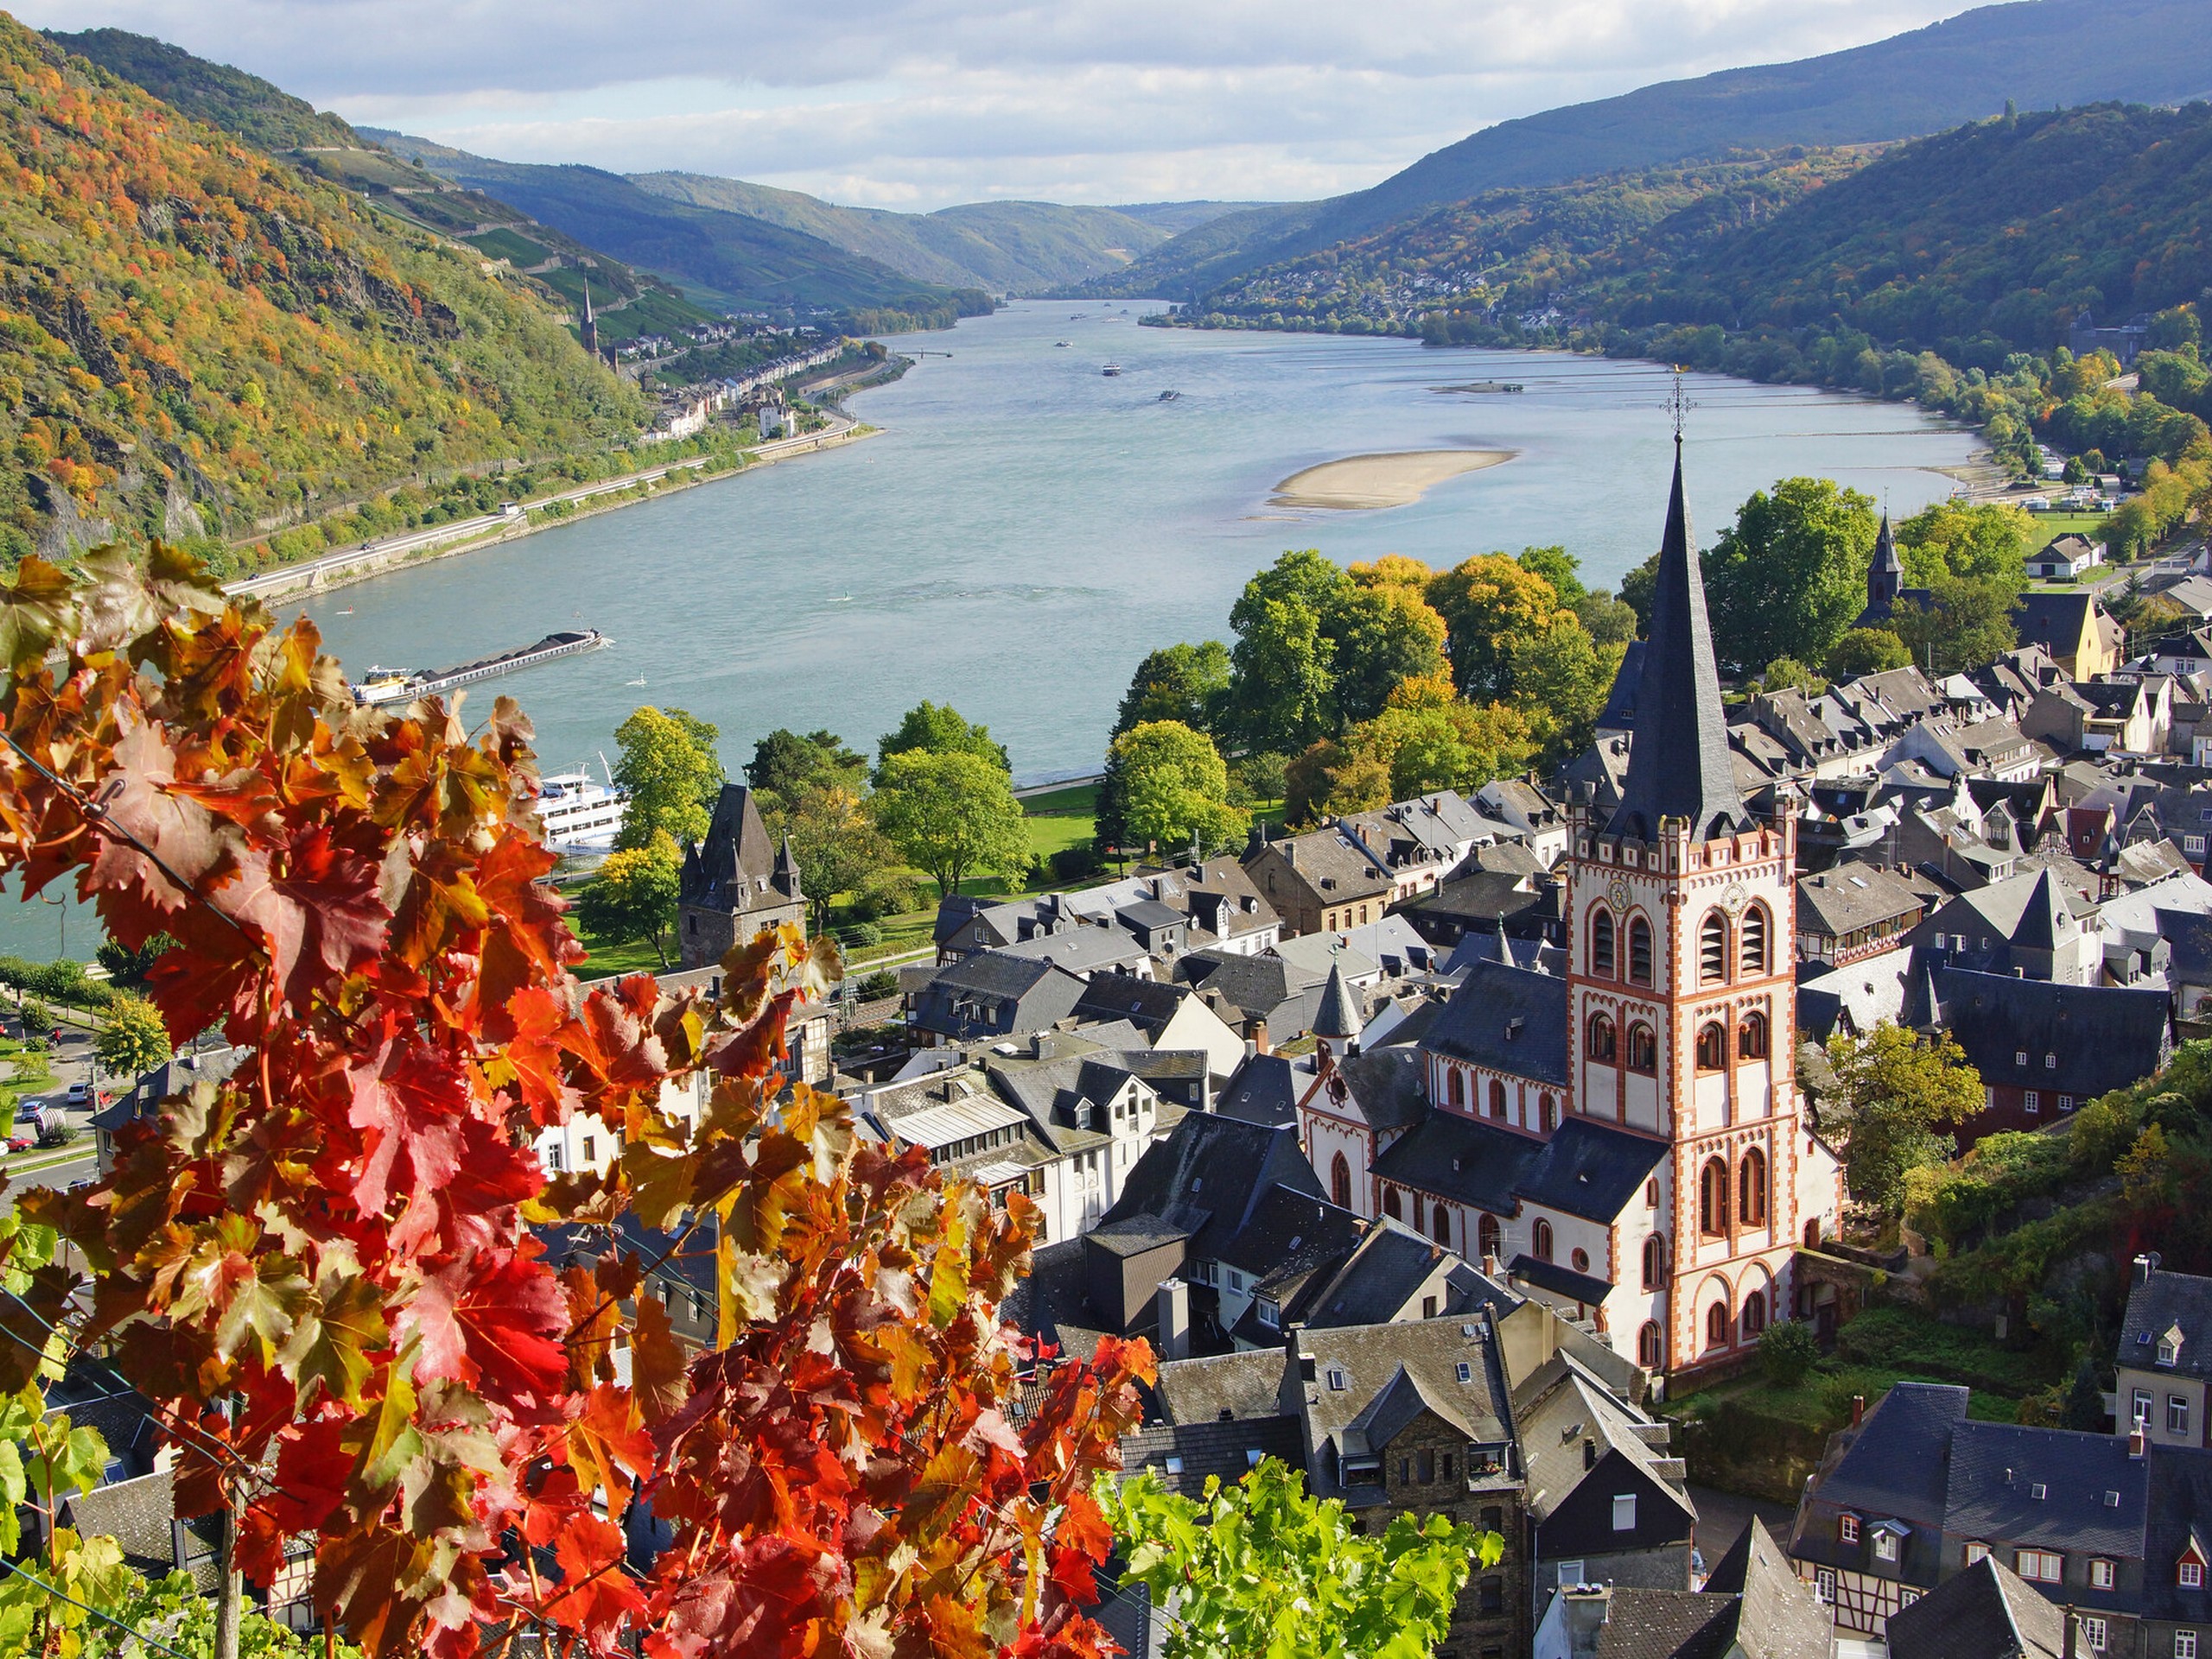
(1025, 529)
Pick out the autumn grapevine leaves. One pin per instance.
(322, 1269)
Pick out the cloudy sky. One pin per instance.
(917, 104)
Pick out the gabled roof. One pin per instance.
(1377, 1279)
(2100, 1037)
(1896, 1463)
(2156, 1306)
(1219, 1166)
(1995, 1468)
(1264, 1089)
(1986, 1612)
(1384, 1086)
(1218, 1387)
(1402, 1400)
(2180, 1519)
(1679, 764)
(1508, 1020)
(1461, 1158)
(1368, 1359)
(1586, 1169)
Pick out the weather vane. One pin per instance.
(1678, 406)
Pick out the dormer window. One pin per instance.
(2190, 1575)
(1846, 1528)
(2170, 1346)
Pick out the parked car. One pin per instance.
(28, 1109)
(19, 1143)
(79, 1093)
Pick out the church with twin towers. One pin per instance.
(1626, 1138)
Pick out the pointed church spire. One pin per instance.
(1885, 575)
(1338, 1017)
(1678, 763)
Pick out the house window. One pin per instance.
(2019, 1057)
(1846, 1528)
(1886, 1547)
(1624, 1512)
(1465, 1371)
(591, 1148)
(1570, 1573)
(2094, 1634)
(2142, 1414)
(2066, 1102)
(2176, 1414)
(1339, 1379)
(553, 1159)
(2033, 1101)
(2184, 1644)
(1824, 1586)
(1542, 1246)
(2170, 1346)
(1639, 951)
(1601, 944)
(2050, 1061)
(1642, 1049)
(1647, 1346)
(2102, 1574)
(1754, 1319)
(2191, 1576)
(2040, 1565)
(1975, 1552)
(1712, 949)
(1491, 1594)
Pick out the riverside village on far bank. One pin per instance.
(1467, 1154)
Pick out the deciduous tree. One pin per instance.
(1488, 603)
(1866, 650)
(671, 774)
(952, 814)
(1897, 1095)
(835, 839)
(131, 1040)
(1174, 788)
(1185, 682)
(1787, 577)
(938, 729)
(632, 895)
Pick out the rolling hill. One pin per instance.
(2035, 52)
(1009, 247)
(200, 341)
(733, 258)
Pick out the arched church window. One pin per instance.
(1712, 948)
(1751, 948)
(1750, 1037)
(1540, 1245)
(1751, 1189)
(1340, 1182)
(1642, 1049)
(1639, 951)
(1654, 1262)
(1711, 1046)
(1601, 944)
(1712, 1198)
(1602, 1039)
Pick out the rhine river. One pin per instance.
(1025, 529)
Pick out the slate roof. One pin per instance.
(1642, 1624)
(1252, 985)
(1895, 1466)
(1288, 1232)
(1478, 1025)
(1995, 1467)
(2105, 1037)
(1385, 1086)
(138, 1514)
(2180, 1512)
(1480, 897)
(1377, 1279)
(1052, 1300)
(1185, 1454)
(1341, 1016)
(1560, 1281)
(1264, 1089)
(1370, 1359)
(1239, 1385)
(1849, 897)
(1679, 764)
(1461, 1158)
(736, 867)
(1589, 1170)
(1986, 1612)
(1211, 1171)
(2155, 1307)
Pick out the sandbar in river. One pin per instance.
(1359, 483)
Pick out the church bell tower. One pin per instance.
(1681, 998)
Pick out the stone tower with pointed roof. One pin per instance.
(735, 882)
(589, 328)
(1680, 1005)
(1884, 575)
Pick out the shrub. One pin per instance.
(861, 936)
(1787, 1351)
(38, 1019)
(877, 986)
(1074, 863)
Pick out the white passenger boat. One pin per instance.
(580, 813)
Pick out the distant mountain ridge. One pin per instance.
(2034, 53)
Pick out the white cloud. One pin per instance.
(918, 103)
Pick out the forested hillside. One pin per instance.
(1009, 247)
(270, 118)
(197, 340)
(739, 260)
(2037, 53)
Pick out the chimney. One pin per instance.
(1259, 1029)
(1858, 1409)
(2136, 1442)
(2145, 1265)
(1489, 1264)
(1589, 1454)
(1174, 1306)
(2070, 1650)
(1289, 853)
(1251, 1048)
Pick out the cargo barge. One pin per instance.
(382, 685)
